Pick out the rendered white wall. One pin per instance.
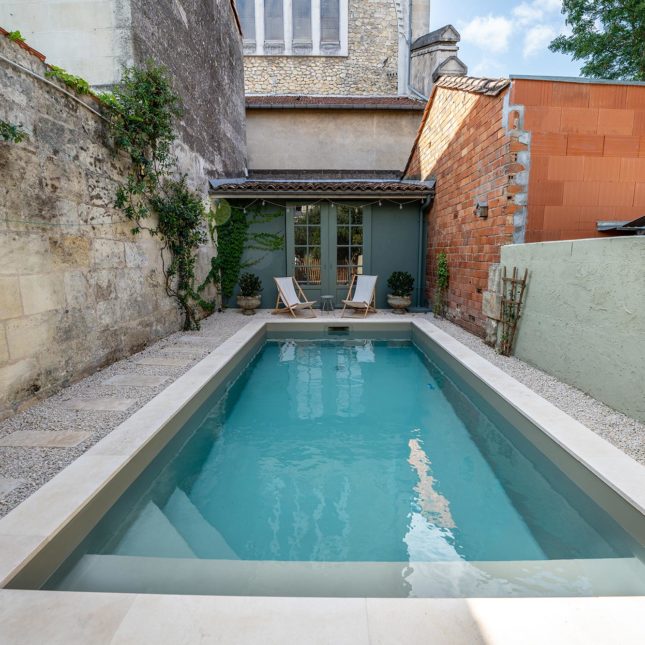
(584, 318)
(88, 38)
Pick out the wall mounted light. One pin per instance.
(481, 209)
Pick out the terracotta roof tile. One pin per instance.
(351, 187)
(487, 86)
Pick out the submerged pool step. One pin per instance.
(152, 533)
(112, 573)
(203, 538)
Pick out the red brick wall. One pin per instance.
(587, 155)
(465, 146)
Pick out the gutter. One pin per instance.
(334, 106)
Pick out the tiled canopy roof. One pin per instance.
(487, 86)
(348, 188)
(275, 101)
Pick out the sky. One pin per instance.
(502, 37)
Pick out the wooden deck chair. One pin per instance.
(364, 294)
(289, 298)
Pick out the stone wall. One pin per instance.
(77, 289)
(370, 67)
(467, 145)
(199, 43)
(584, 315)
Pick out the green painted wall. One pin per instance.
(394, 243)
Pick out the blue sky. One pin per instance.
(499, 37)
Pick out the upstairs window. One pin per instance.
(330, 22)
(273, 21)
(246, 9)
(301, 21)
(294, 27)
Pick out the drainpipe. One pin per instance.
(421, 277)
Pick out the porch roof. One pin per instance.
(354, 188)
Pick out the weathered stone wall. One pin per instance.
(77, 289)
(199, 43)
(369, 68)
(584, 315)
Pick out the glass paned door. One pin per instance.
(327, 245)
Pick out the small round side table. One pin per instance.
(327, 304)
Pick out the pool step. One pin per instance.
(601, 577)
(154, 535)
(203, 538)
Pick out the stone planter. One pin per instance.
(399, 303)
(248, 304)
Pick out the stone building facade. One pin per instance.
(370, 65)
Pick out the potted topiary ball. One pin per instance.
(401, 284)
(248, 300)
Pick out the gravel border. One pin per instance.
(35, 466)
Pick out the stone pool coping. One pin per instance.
(29, 528)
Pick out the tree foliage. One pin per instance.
(608, 35)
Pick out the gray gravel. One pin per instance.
(35, 466)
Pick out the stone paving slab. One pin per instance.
(106, 404)
(162, 361)
(7, 485)
(43, 439)
(136, 380)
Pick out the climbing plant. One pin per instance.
(143, 108)
(230, 229)
(78, 84)
(442, 278)
(12, 132)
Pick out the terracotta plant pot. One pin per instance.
(248, 304)
(399, 303)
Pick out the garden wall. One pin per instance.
(77, 289)
(584, 318)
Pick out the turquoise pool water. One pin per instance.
(352, 467)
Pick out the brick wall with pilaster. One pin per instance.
(474, 156)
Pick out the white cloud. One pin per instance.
(488, 32)
(537, 39)
(526, 14)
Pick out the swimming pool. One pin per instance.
(359, 462)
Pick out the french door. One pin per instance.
(327, 245)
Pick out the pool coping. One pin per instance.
(28, 528)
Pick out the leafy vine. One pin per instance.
(441, 285)
(229, 229)
(143, 108)
(80, 85)
(12, 132)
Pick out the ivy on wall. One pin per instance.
(230, 229)
(143, 108)
(78, 84)
(441, 285)
(11, 132)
